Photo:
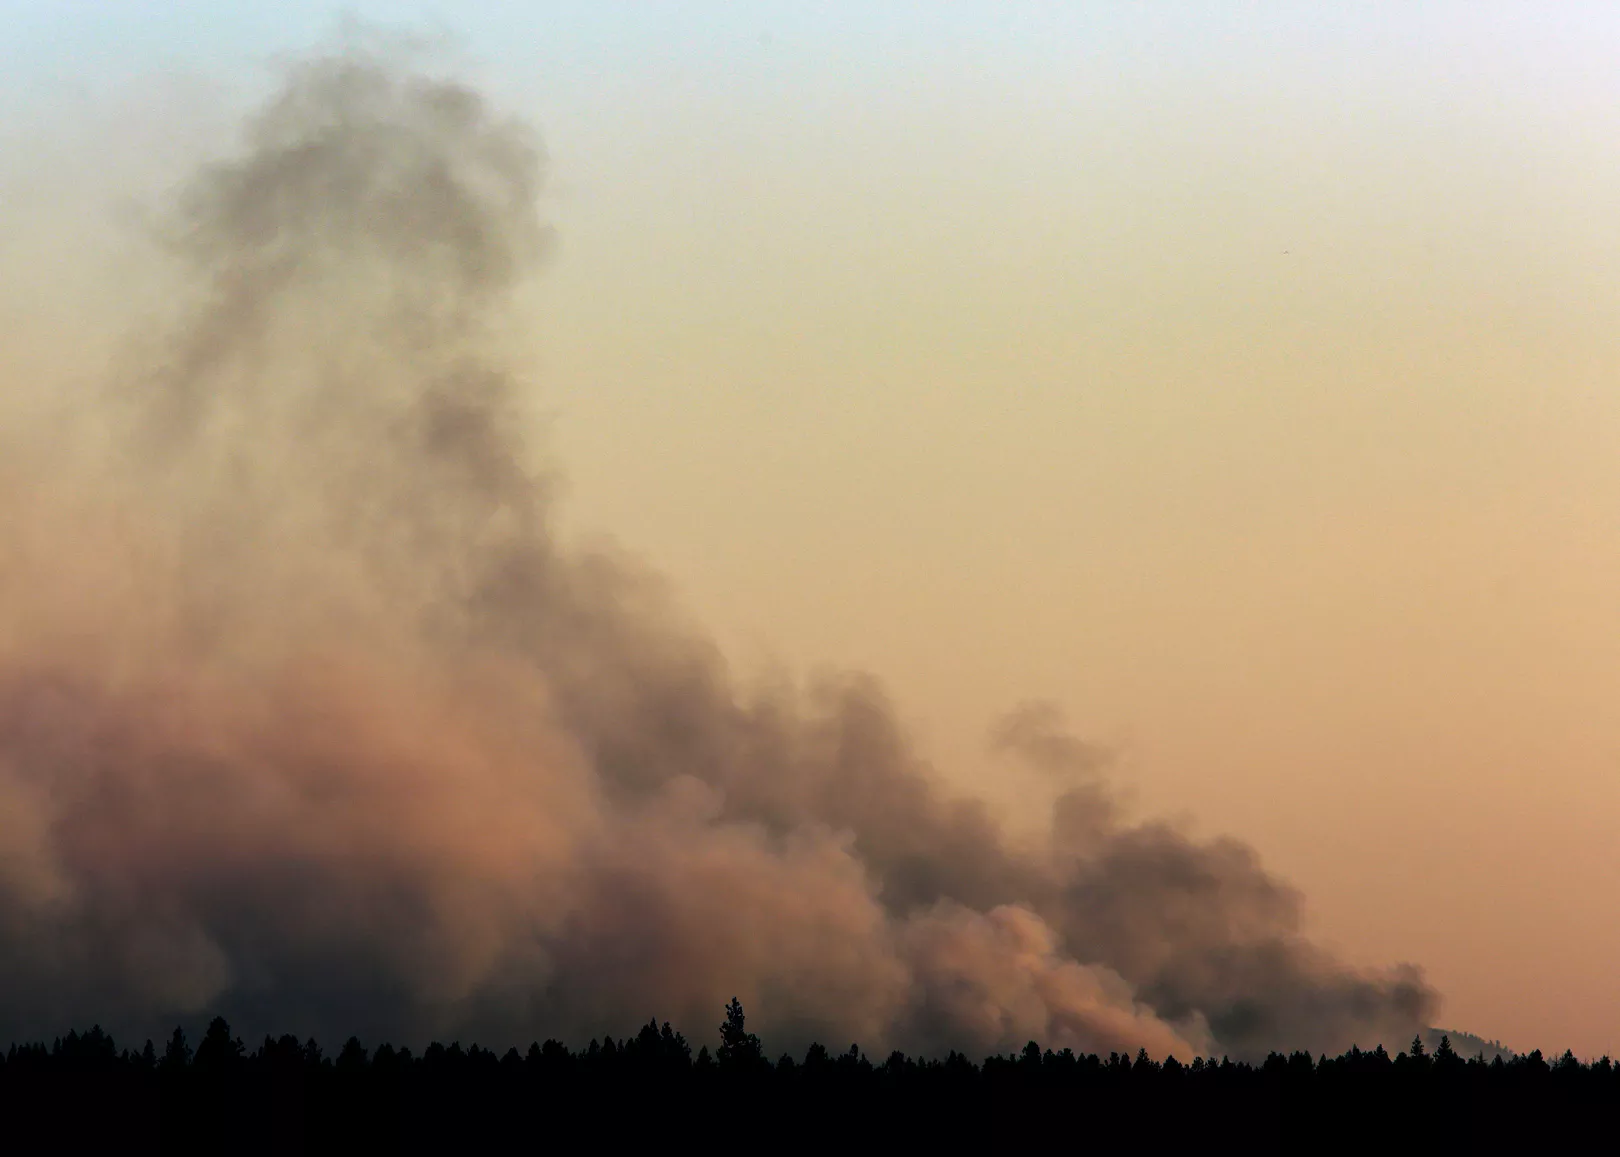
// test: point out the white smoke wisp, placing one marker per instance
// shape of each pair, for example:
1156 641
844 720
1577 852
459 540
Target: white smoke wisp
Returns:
307 716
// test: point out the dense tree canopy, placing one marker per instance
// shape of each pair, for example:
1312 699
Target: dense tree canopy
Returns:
287 1095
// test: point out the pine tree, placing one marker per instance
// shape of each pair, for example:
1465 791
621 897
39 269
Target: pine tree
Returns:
1445 1057
218 1050
739 1048
177 1054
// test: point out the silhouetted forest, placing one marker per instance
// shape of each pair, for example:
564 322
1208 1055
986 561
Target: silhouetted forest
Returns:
287 1095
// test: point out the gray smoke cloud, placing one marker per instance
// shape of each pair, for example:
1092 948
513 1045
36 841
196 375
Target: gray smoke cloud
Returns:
307 716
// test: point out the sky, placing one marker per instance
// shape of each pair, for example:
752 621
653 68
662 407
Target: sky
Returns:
1241 380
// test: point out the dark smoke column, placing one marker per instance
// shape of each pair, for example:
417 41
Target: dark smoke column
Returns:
340 738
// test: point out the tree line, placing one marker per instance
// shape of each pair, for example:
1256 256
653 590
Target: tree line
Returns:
288 1095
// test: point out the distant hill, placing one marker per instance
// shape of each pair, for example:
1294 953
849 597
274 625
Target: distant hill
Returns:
1466 1044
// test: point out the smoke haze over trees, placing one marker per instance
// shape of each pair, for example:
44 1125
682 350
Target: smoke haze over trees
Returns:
308 715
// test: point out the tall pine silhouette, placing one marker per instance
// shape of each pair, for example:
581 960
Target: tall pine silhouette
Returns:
740 1049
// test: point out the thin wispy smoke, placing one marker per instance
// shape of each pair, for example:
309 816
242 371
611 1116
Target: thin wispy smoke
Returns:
307 716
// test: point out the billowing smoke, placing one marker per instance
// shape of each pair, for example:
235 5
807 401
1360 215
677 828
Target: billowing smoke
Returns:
307 715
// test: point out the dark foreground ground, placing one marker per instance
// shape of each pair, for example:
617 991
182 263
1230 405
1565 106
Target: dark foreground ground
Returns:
83 1094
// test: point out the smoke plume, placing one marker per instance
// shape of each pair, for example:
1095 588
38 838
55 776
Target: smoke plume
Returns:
307 715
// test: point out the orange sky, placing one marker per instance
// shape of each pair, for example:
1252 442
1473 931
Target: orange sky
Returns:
1248 389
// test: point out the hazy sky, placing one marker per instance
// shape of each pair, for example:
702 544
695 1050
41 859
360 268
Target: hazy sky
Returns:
1244 383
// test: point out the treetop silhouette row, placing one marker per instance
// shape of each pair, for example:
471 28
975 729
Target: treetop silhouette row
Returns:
297 1090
